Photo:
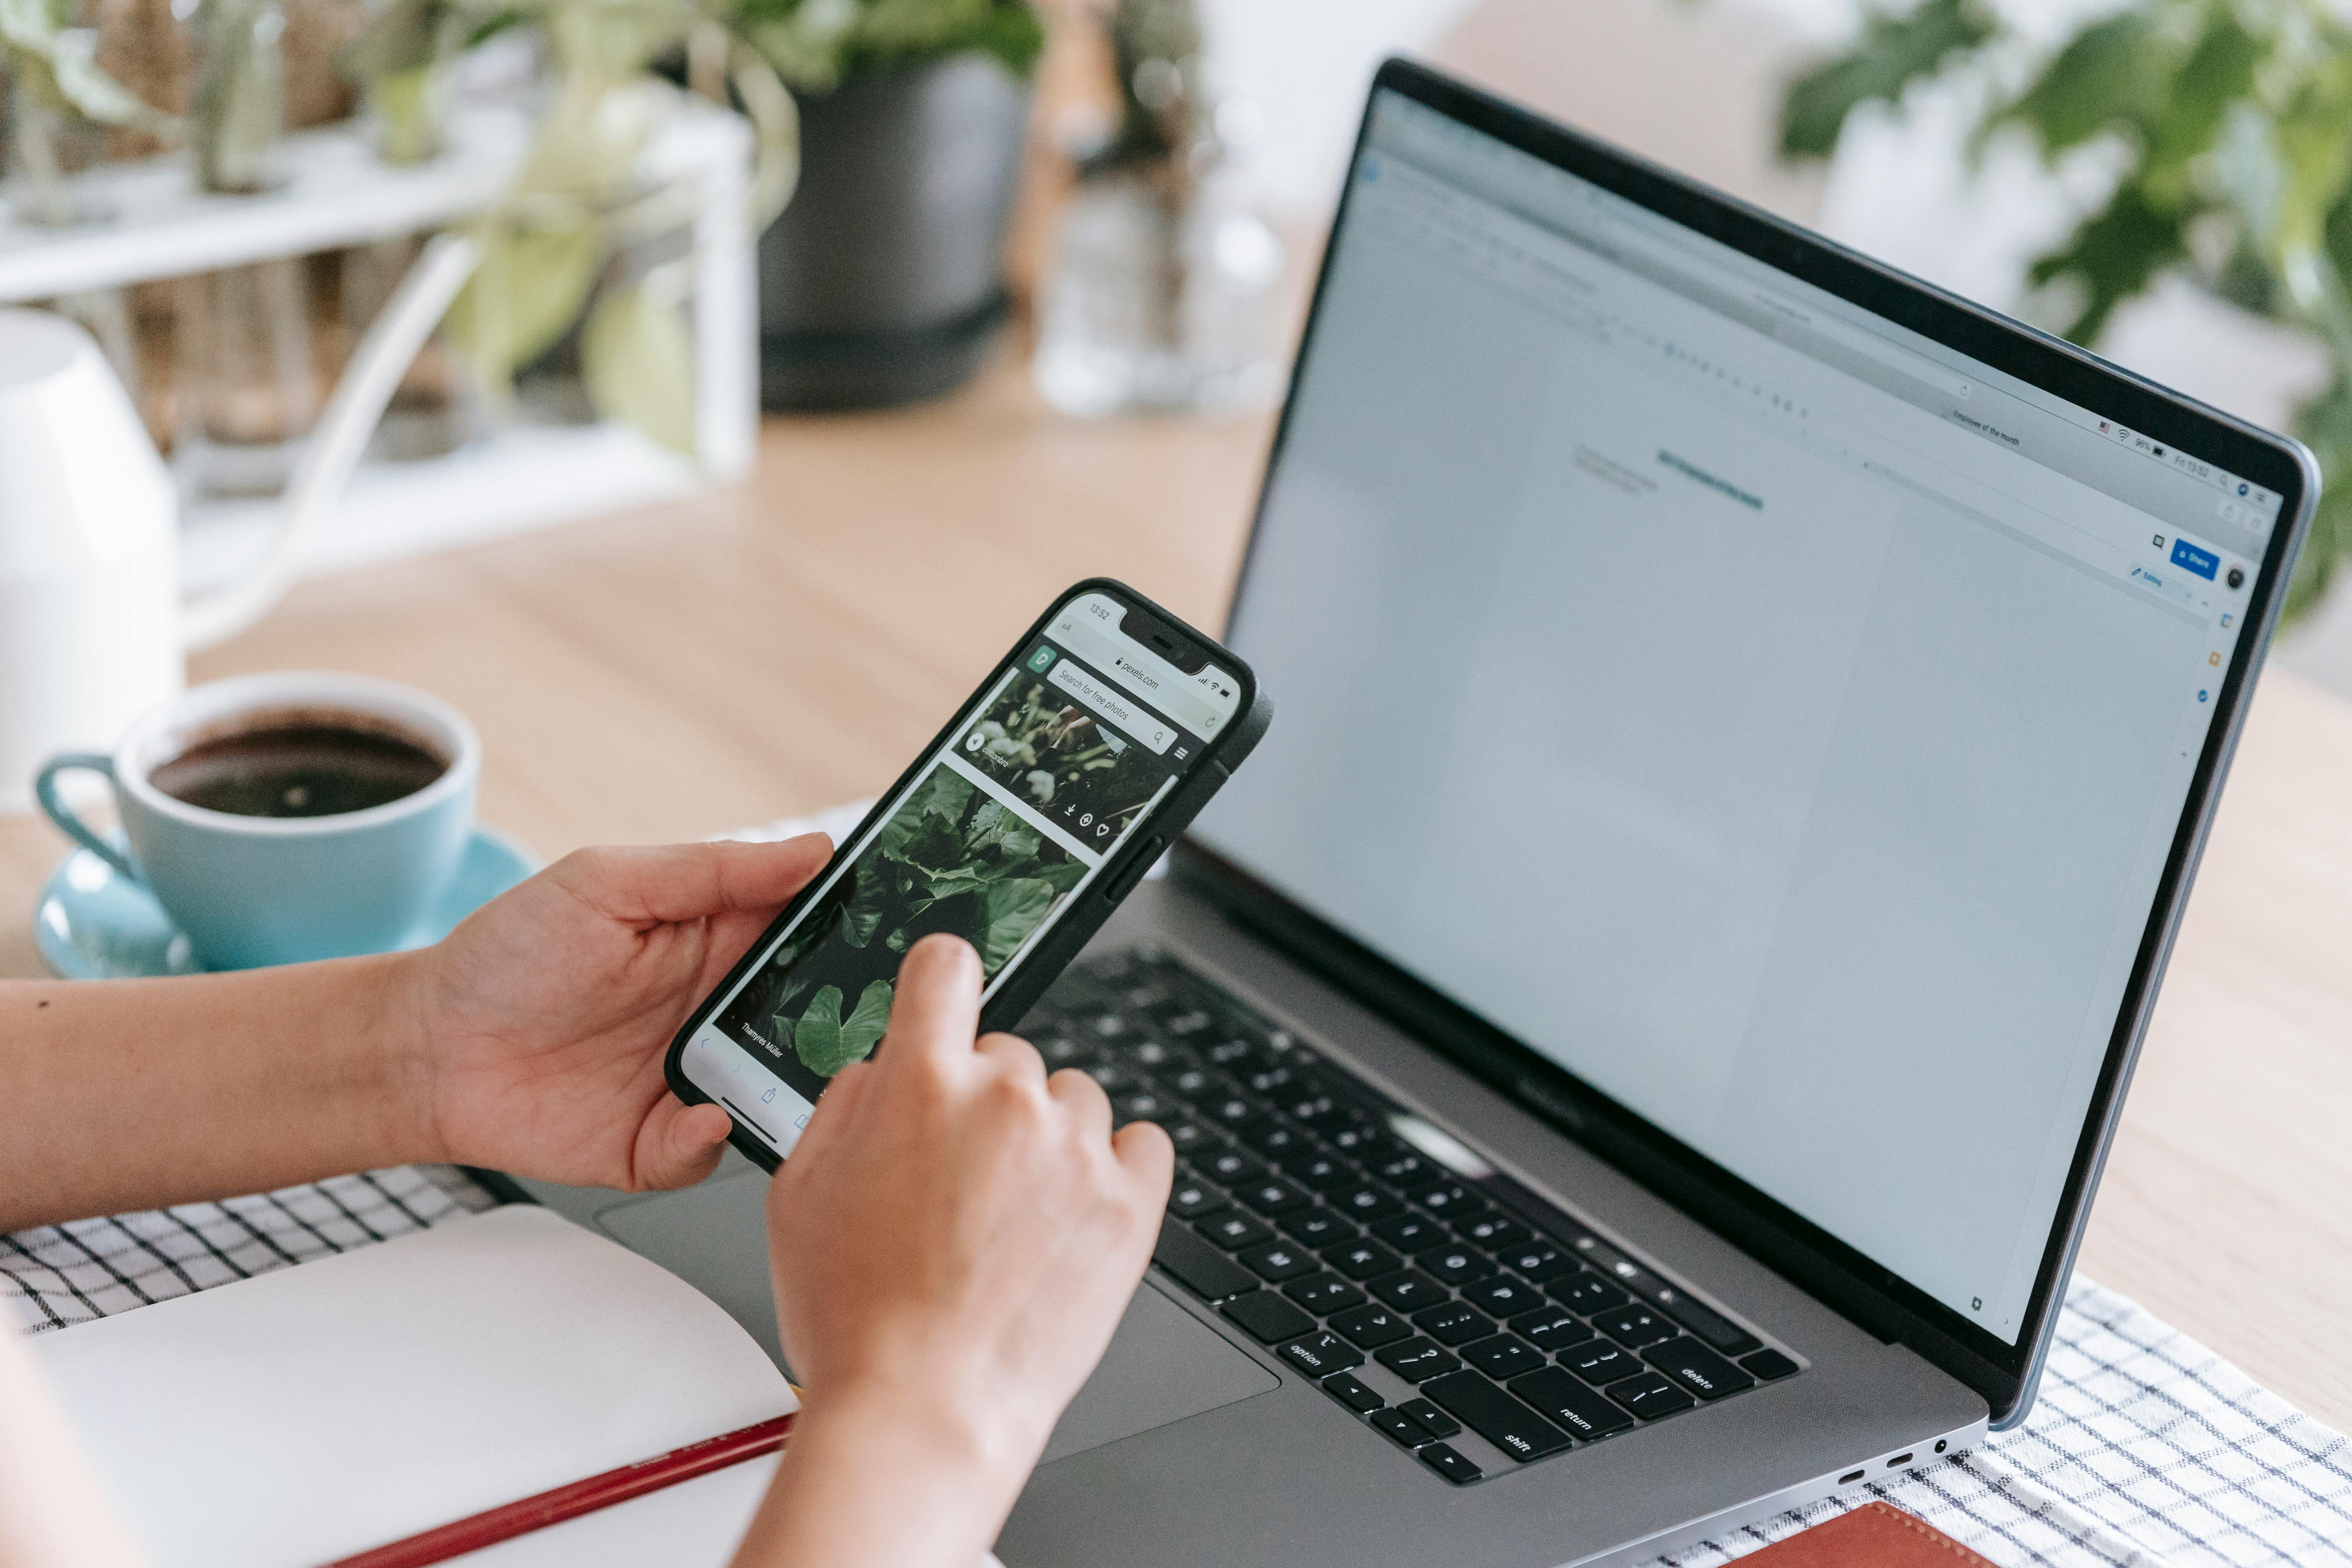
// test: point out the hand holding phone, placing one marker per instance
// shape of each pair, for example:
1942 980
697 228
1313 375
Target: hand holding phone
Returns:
1061 778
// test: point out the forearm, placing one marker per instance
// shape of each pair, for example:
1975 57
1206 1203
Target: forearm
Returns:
134 1094
862 1482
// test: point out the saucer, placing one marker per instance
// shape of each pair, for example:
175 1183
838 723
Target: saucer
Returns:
92 923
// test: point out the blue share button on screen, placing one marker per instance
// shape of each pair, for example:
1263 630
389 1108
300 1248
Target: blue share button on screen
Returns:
2187 556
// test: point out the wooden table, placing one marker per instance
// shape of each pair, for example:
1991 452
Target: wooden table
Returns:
790 643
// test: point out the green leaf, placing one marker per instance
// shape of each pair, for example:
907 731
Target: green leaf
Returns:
863 1030
2113 254
637 357
1894 52
531 285
2112 73
817 1038
2217 74
1011 910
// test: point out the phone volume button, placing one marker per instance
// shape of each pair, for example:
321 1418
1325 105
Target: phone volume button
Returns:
1146 855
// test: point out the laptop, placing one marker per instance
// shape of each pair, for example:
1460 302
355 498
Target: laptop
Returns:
1642 1032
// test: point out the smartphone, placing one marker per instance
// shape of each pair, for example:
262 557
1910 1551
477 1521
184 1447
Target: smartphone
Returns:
1021 826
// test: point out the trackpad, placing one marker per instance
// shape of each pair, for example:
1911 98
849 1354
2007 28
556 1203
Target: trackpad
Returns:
1163 1364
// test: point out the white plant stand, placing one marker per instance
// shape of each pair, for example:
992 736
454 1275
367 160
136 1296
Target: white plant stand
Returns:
337 193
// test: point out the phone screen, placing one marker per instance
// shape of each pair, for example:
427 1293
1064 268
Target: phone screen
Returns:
1063 754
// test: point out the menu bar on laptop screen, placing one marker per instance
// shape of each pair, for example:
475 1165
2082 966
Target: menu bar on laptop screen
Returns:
1783 720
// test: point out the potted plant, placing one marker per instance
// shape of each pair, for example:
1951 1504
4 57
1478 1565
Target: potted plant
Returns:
2228 129
883 282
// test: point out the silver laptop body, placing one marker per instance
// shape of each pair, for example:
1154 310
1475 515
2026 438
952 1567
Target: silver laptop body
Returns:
1749 721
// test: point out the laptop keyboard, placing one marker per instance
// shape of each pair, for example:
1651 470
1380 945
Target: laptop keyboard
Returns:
1424 1301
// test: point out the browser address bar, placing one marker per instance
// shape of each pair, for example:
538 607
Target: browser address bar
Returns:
1179 703
1113 705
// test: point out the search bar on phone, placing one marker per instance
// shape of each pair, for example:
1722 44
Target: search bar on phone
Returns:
1114 705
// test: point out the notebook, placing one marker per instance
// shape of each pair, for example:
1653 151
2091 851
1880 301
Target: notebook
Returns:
305 1414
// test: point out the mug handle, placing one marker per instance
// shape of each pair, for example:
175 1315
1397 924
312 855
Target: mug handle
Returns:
52 806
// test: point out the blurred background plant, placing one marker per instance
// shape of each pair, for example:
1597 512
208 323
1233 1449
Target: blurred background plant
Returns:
2225 129
579 240
885 283
816 45
56 89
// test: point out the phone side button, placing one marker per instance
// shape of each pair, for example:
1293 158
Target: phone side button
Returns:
1145 858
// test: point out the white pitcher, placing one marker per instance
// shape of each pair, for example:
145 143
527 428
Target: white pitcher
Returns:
93 626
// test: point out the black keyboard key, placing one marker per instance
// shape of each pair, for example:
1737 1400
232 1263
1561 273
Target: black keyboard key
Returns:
1272 1195
1453 1466
1317 1227
1114 1078
1770 1366
1363 1142
1587 1292
1502 1357
1366 1201
1495 1415
1696 1368
1650 1396
1061 1051
1139 1105
1371 1326
1279 1260
1455 1265
1634 1326
1451 1201
1408 1290
1198 1084
1199 1266
1318 1355
1720 1332
1191 1200
1537 1260
1192 1140
1503 1295
1233 1111
1410 1232
1396 1425
1494 1230
1323 1171
1276 1140
1454 1323
1550 1329
1361 1260
1236 1231
1323 1294
1569 1404
1313 1109
1275 1081
1230 1166
1417 1359
1404 1168
1267 1316
1430 1418
1599 1363
1351 1390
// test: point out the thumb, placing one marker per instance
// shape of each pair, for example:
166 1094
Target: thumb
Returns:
658 884
680 1144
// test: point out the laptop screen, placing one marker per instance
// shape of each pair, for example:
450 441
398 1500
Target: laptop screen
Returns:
1774 718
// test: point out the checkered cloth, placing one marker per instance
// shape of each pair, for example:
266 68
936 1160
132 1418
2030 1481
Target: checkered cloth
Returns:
59 1275
2145 1449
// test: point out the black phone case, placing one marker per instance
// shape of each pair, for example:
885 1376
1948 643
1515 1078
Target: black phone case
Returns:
1033 972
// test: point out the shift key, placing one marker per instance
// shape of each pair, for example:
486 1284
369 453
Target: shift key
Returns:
1200 1265
1495 1415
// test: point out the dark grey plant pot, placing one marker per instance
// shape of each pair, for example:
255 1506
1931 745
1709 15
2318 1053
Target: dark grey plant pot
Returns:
883 282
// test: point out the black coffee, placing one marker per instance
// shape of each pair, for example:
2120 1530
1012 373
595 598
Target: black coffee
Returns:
310 766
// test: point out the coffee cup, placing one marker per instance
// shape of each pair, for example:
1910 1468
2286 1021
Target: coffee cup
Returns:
283 817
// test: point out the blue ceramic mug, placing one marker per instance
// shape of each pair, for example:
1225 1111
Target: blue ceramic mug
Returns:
253 890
